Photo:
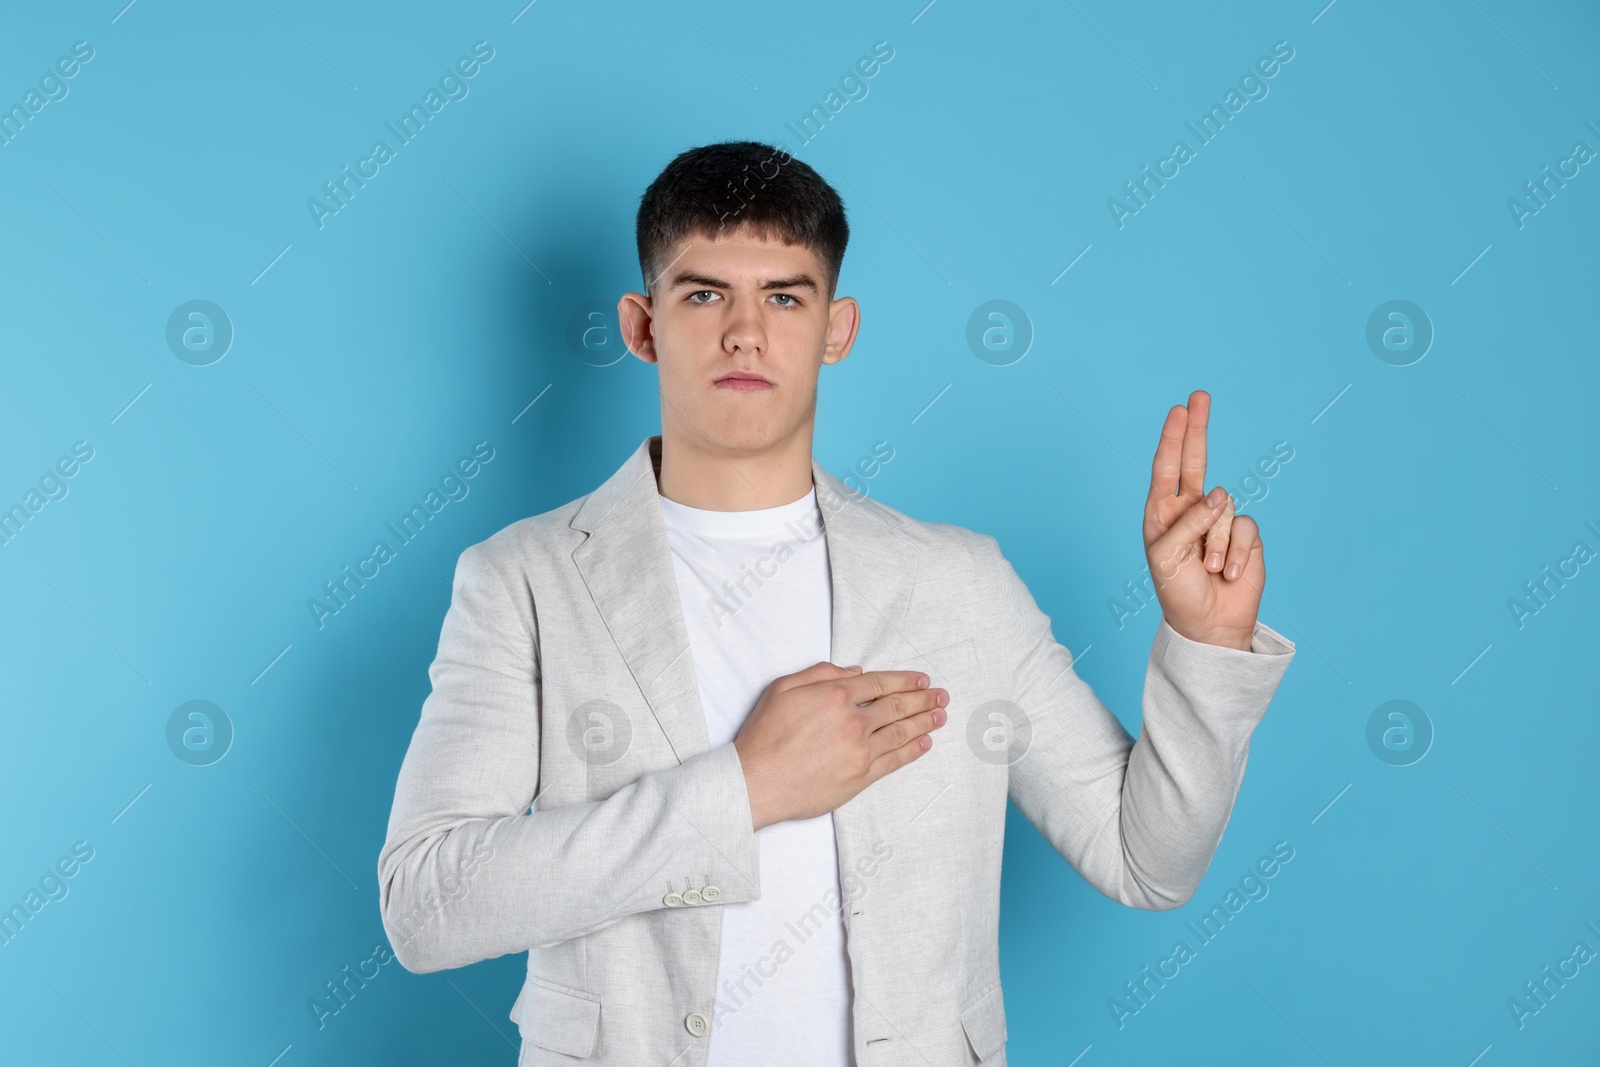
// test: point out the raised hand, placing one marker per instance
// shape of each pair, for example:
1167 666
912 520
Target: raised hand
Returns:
1206 562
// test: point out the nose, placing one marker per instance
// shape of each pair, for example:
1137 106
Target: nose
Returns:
744 332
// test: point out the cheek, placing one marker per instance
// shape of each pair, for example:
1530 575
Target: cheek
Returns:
685 381
678 345
801 342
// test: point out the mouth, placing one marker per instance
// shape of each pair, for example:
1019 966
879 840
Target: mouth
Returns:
743 382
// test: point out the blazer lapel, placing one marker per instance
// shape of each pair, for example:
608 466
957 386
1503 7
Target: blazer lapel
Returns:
874 566
626 563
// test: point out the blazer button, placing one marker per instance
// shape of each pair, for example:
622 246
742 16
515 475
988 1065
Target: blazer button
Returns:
672 900
710 894
698 1024
691 896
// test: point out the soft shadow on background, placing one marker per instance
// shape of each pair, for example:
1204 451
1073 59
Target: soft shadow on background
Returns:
1379 259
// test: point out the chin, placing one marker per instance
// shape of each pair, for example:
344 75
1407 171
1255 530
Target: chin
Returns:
746 434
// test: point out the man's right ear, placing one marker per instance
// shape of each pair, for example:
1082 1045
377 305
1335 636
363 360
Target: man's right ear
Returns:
634 311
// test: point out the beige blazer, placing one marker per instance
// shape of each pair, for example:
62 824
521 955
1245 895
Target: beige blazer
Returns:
564 675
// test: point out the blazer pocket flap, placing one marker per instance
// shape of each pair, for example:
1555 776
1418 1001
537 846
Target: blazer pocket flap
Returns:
559 1019
984 1020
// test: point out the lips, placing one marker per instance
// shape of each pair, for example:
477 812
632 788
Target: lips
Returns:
743 382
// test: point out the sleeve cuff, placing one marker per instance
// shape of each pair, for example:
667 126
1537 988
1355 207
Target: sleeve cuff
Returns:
1217 674
717 804
1266 641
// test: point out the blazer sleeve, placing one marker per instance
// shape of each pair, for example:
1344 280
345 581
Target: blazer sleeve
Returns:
467 873
1141 820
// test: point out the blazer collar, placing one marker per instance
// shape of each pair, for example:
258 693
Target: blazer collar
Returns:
626 563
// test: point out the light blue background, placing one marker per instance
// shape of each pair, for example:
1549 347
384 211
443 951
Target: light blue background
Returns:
426 316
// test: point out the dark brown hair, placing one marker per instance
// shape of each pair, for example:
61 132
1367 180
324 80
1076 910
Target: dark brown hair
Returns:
719 188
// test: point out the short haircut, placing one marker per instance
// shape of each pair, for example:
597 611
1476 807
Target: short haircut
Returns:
717 189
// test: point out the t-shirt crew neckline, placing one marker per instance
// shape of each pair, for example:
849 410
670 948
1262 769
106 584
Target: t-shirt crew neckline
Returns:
706 523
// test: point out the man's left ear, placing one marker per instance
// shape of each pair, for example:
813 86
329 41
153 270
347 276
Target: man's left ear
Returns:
844 320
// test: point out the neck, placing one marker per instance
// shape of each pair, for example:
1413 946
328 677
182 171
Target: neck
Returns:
698 475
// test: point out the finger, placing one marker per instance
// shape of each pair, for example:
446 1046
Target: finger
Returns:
1218 537
1169 452
886 711
822 671
1246 538
871 685
1179 543
1192 480
894 759
896 734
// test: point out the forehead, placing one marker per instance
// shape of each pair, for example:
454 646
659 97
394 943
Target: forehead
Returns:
741 256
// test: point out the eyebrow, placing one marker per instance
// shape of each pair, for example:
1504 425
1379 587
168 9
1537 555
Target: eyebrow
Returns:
797 281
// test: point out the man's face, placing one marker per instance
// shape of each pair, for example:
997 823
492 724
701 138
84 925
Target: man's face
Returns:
734 306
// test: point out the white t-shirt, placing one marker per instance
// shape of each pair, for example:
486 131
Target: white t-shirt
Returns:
758 603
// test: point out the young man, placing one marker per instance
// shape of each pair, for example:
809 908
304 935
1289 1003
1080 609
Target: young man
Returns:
771 725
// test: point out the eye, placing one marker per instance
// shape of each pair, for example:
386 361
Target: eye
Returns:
699 292
786 296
